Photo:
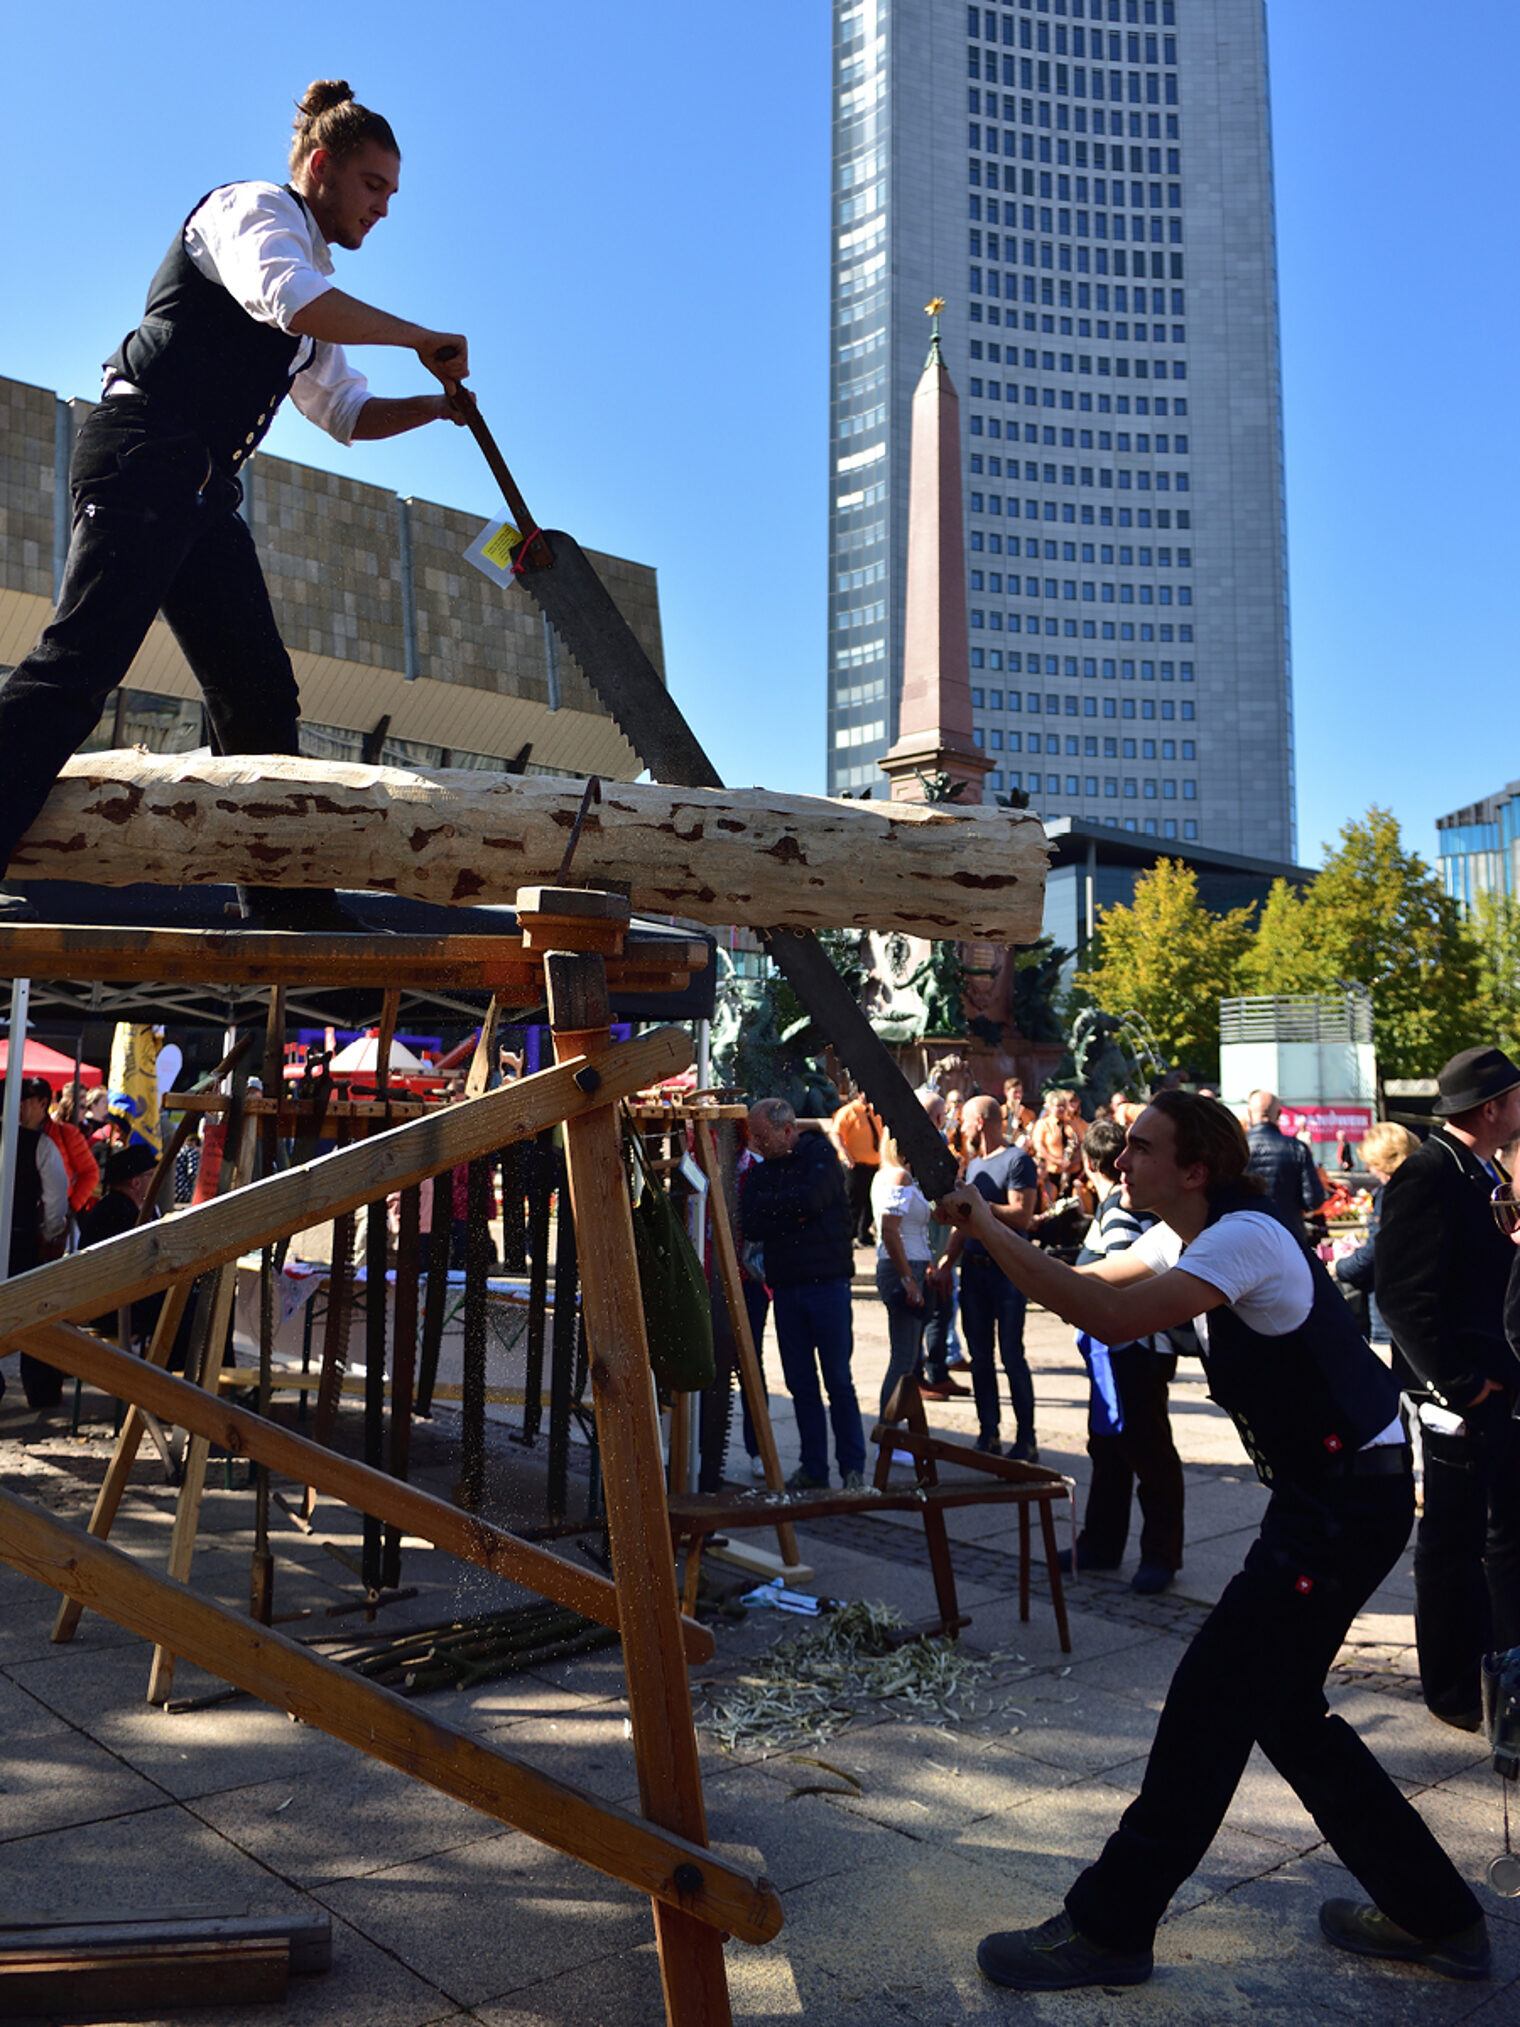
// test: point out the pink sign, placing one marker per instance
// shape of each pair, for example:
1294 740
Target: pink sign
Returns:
1327 1122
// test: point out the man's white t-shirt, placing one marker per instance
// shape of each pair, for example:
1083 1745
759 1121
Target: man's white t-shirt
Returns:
1258 1267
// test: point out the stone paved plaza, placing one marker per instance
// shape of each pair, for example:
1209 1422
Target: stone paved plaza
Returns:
441 1915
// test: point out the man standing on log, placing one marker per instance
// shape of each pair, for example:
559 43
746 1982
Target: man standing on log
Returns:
241 313
1318 1413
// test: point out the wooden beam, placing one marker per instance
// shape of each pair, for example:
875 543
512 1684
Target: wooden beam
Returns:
749 856
242 1434
751 1378
498 964
121 1270
674 1871
659 1700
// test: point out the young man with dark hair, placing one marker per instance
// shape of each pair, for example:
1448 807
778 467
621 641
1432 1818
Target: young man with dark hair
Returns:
1318 1413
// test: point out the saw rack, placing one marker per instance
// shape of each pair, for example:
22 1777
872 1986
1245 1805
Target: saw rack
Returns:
570 941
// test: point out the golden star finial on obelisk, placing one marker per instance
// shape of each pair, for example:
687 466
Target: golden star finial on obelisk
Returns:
932 309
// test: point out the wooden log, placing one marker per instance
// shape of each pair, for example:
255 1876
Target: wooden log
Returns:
659 1699
407 1507
458 836
706 1889
119 1270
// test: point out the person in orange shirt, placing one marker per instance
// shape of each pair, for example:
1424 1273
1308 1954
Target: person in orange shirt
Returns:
84 1170
856 1133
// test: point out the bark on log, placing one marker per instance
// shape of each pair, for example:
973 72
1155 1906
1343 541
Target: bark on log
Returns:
461 837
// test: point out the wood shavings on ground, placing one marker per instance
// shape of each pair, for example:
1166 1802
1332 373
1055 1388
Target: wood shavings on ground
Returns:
808 1687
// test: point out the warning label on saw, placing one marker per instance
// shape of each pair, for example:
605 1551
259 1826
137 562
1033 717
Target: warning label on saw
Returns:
491 551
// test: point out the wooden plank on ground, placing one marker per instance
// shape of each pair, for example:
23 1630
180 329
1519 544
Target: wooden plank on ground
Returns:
121 1980
676 1872
83 1284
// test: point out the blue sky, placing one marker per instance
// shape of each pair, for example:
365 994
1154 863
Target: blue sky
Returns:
627 211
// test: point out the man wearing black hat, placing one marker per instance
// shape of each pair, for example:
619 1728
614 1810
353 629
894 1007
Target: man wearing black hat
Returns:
1442 1268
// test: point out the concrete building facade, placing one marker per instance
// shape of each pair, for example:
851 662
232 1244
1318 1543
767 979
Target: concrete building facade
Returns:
1088 183
405 654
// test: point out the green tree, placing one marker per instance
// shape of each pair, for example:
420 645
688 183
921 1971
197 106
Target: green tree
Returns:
1495 927
1376 916
1167 958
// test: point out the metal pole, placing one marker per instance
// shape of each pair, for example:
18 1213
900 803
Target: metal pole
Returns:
704 1048
1091 894
10 1121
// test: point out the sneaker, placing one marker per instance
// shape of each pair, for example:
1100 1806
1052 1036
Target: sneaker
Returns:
1367 1932
1025 1451
14 907
854 1481
1055 1957
989 1446
1151 1578
757 1468
801 1481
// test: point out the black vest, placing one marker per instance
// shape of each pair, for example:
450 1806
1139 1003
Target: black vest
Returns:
213 368
1303 1402
26 1208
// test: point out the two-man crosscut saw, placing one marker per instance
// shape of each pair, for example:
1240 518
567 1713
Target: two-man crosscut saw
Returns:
552 567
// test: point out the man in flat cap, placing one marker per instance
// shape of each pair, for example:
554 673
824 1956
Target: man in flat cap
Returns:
1442 1269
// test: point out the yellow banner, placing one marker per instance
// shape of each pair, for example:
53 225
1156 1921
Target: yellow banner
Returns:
133 1083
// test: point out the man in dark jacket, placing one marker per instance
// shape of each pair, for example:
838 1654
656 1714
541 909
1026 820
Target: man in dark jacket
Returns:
1285 1167
795 1204
1442 1268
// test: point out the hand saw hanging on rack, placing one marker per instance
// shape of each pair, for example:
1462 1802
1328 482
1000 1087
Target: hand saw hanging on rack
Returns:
553 569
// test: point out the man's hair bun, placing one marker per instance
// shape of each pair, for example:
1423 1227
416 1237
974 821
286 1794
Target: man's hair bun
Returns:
329 116
322 94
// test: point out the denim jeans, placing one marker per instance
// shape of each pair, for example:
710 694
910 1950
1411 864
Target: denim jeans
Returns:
757 1303
905 1324
813 1331
991 1307
155 529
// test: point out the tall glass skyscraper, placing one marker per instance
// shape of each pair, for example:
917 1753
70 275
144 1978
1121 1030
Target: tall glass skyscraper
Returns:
1088 183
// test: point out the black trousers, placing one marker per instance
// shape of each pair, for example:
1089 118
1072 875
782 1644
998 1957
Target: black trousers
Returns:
1255 1674
1142 1453
861 1177
1467 1555
156 529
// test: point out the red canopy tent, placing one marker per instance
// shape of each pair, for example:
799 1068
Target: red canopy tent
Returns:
38 1060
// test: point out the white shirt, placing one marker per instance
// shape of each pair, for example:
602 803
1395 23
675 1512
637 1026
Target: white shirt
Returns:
907 1202
263 247
53 1175
1258 1267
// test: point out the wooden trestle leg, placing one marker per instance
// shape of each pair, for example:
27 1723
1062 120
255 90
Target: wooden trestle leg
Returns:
659 1700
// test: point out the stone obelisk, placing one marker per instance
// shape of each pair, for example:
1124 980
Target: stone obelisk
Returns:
934 736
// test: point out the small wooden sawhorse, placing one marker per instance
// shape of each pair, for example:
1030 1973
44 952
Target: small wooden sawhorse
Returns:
904 1428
